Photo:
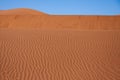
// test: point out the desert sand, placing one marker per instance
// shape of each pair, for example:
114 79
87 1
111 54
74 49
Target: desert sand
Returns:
27 18
49 47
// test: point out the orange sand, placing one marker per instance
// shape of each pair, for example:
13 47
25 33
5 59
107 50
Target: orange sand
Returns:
38 46
59 55
27 18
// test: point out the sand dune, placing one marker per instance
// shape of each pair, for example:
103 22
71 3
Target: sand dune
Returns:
59 55
21 11
38 46
34 19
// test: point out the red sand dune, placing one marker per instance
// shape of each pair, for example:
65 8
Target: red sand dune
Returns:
34 19
37 46
21 11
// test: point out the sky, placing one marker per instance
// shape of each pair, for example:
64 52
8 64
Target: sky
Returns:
66 7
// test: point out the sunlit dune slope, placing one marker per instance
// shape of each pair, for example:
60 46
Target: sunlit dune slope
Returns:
16 19
21 11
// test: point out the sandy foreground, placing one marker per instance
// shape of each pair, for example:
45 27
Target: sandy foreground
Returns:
59 55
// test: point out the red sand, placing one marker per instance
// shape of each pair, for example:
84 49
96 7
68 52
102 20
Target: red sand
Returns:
59 55
21 11
47 47
26 18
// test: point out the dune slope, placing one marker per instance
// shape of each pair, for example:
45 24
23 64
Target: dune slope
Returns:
59 55
16 19
21 11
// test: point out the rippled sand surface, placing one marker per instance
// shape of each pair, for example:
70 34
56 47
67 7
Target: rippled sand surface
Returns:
59 55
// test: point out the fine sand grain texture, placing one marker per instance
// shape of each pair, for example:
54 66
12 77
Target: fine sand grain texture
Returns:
27 18
59 55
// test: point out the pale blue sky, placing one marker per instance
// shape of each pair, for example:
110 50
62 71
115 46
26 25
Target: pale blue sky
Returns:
63 7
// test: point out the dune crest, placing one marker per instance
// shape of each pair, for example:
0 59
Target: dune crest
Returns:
21 11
